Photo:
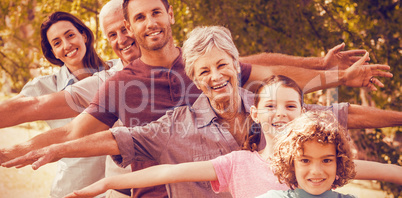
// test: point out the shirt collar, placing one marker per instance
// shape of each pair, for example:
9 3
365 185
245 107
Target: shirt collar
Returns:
65 78
204 113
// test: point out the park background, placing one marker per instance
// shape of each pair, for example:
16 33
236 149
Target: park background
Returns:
295 27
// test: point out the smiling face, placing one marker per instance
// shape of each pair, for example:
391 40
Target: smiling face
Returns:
315 168
68 44
122 44
216 76
150 23
277 106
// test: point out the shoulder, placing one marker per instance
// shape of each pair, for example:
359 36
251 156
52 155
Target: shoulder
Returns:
334 194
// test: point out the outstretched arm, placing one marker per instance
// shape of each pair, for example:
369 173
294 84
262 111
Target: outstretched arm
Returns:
152 176
358 75
360 117
63 104
334 57
84 124
102 143
369 170
22 109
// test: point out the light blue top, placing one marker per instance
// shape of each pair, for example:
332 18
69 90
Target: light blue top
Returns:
302 194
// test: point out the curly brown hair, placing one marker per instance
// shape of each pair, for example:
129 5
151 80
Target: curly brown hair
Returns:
320 126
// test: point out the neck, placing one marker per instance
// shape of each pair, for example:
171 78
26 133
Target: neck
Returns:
233 118
163 57
79 71
227 110
268 151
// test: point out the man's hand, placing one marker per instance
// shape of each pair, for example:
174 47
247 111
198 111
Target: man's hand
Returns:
360 75
342 59
37 158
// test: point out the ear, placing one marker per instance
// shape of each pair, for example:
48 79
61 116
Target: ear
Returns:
254 113
196 84
128 26
171 15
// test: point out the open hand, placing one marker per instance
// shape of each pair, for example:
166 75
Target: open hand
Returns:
361 75
37 158
342 59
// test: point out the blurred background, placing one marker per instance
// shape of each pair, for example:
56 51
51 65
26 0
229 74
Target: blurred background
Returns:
297 27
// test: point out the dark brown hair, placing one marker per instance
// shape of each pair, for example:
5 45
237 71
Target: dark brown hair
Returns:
125 10
254 136
91 59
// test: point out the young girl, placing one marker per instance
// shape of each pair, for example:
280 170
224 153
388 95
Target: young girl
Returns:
242 173
313 157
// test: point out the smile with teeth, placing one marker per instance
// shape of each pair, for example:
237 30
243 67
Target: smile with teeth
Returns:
154 33
220 86
278 124
316 180
71 53
127 47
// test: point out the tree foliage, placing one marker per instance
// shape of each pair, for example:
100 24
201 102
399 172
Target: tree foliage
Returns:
298 27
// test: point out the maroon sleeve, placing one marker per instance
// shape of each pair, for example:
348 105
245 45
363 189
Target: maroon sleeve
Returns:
245 71
103 106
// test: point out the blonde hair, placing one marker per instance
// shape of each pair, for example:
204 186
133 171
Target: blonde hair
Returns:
320 126
201 40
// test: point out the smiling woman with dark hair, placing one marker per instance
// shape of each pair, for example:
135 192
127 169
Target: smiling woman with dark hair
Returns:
67 42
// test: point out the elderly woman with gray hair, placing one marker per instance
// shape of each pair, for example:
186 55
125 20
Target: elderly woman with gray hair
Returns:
216 124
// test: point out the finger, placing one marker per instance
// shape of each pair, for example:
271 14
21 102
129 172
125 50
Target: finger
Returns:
382 73
14 162
355 58
362 59
357 52
377 82
71 195
372 87
22 160
82 193
40 162
337 48
379 67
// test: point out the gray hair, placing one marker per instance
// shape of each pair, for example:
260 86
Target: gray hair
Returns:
111 7
201 40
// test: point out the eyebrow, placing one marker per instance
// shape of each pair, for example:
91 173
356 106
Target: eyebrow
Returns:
220 60
217 62
141 13
324 156
66 32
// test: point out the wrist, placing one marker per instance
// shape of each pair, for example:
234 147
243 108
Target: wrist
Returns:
342 77
321 63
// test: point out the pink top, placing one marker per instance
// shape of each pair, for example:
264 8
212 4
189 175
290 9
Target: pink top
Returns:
244 174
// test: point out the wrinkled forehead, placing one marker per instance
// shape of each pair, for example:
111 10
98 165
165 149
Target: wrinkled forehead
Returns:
113 22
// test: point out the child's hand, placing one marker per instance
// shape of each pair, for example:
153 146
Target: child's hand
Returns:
92 190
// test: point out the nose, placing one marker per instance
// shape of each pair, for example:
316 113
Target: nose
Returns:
67 45
151 22
215 75
316 169
121 38
280 111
